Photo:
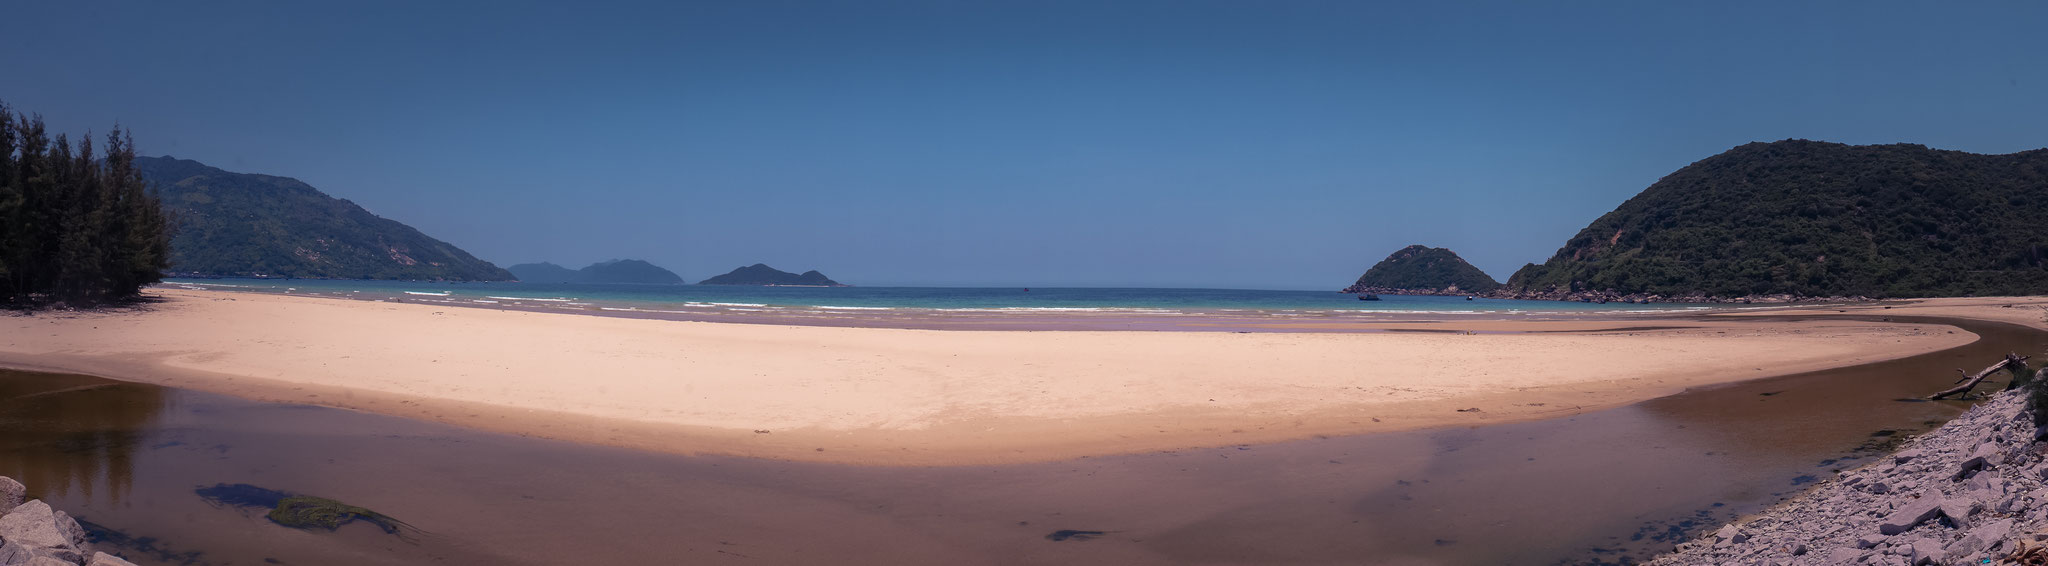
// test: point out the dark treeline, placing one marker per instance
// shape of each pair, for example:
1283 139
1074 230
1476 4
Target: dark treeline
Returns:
76 228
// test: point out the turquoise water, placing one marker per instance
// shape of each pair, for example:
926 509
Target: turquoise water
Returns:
936 301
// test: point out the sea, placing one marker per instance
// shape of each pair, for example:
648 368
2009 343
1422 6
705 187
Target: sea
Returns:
921 302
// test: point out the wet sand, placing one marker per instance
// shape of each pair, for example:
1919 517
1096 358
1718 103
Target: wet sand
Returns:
1595 487
892 396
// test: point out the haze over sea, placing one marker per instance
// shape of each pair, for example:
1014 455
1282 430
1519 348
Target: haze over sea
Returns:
859 302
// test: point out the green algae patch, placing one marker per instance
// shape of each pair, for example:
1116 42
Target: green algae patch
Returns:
300 511
308 512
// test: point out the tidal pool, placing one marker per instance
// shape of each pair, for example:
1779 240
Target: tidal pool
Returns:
135 462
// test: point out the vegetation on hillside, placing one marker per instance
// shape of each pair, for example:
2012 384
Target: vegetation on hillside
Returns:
248 225
1423 269
75 227
1819 219
614 271
761 274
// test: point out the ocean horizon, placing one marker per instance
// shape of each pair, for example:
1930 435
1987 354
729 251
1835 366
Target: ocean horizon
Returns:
852 302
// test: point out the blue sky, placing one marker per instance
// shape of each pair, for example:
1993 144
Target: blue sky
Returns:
1185 143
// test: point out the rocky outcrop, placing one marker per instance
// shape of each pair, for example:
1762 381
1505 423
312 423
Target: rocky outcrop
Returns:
33 534
1974 491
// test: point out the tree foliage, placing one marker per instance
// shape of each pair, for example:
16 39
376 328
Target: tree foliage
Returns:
242 224
76 227
1423 268
1820 219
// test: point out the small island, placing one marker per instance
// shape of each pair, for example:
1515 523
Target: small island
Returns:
1423 270
761 274
618 271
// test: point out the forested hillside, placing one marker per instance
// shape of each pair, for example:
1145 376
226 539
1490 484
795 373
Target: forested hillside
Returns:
1819 219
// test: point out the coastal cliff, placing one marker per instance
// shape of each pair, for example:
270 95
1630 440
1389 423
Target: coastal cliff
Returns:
1971 492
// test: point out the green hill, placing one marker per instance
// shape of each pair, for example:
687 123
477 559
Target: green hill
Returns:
544 272
1423 270
1818 219
242 224
761 274
614 271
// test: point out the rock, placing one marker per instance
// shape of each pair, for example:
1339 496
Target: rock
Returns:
1958 512
1843 556
1981 538
34 527
1911 513
1978 460
1879 488
71 529
12 494
1906 456
1731 534
48 561
104 559
13 554
1926 551
1867 541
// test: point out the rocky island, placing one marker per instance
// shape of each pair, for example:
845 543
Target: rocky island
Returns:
761 274
1423 270
618 271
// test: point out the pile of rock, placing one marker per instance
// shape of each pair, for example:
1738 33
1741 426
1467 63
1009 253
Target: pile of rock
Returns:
33 534
1970 492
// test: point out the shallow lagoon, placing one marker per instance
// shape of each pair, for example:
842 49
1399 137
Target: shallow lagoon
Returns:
1605 486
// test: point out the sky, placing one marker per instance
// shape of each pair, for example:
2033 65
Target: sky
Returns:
1232 144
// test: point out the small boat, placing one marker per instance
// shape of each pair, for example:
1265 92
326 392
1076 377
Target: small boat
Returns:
1368 297
1468 298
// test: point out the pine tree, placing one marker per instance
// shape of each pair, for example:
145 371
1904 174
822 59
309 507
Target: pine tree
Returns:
75 227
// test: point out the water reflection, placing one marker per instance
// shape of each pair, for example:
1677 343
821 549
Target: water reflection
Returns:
69 432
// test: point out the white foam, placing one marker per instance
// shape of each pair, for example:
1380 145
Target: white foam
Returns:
440 294
555 300
829 307
732 304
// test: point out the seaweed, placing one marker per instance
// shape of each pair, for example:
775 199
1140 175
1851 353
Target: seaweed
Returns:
308 512
297 511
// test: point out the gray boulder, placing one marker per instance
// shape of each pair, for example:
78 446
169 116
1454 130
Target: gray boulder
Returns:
104 559
34 527
1911 514
1983 537
12 494
1927 551
13 554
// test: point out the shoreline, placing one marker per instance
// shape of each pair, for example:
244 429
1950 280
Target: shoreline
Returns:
894 397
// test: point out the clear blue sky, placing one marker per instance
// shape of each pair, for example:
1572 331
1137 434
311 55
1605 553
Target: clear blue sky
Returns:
1180 143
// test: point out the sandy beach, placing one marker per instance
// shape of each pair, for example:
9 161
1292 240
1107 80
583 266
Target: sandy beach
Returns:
894 396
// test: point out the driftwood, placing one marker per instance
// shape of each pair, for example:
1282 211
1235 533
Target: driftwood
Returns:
1970 381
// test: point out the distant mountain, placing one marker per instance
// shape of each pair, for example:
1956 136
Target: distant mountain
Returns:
544 272
1423 270
1816 219
244 224
760 274
614 271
